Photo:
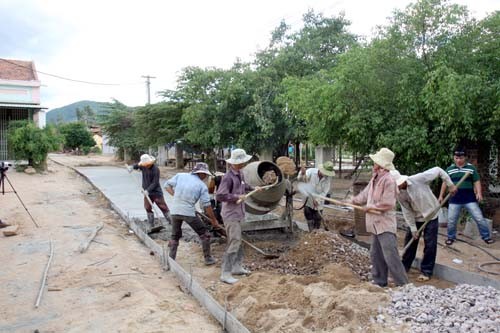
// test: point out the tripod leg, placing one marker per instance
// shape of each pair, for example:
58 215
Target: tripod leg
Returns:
22 203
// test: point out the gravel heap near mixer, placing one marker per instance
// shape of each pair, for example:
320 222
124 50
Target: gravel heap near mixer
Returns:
269 177
465 308
315 250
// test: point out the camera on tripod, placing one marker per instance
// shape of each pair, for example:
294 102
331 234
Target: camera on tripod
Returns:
4 166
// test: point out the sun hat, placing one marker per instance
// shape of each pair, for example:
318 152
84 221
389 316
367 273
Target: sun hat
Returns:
327 169
398 178
238 156
201 167
384 158
146 159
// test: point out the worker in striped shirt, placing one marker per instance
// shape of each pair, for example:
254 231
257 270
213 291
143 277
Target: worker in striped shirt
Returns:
468 196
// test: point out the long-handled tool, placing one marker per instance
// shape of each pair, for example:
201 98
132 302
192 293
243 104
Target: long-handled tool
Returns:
265 254
145 195
308 190
262 188
434 212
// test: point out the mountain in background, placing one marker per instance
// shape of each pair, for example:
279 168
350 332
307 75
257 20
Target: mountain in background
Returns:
67 114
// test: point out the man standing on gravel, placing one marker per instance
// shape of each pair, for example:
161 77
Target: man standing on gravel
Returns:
320 181
232 195
187 189
419 204
152 189
380 195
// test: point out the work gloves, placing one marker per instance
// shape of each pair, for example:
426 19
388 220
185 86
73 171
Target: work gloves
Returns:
130 168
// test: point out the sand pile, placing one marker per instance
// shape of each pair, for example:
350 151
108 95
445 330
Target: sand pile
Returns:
332 301
315 250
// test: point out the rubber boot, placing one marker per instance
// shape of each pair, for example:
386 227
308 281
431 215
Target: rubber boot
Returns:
173 245
205 245
310 225
227 265
153 227
238 268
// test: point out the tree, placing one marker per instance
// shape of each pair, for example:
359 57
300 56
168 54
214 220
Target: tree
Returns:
86 116
76 136
28 142
118 123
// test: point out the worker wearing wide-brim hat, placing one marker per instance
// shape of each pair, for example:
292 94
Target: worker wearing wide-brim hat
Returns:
187 189
152 189
380 195
320 179
233 188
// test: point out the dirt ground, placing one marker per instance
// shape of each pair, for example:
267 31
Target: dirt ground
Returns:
115 286
318 283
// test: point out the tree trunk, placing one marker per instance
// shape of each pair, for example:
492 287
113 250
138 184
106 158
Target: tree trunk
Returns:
179 157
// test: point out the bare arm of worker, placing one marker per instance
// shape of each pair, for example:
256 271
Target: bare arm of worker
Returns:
302 174
478 190
170 190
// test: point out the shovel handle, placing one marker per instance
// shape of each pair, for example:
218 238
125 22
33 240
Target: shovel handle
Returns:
263 188
341 203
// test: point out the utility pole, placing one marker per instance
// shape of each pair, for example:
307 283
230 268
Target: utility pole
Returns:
148 84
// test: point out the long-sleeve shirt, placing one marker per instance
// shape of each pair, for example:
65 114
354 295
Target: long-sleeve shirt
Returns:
417 200
150 179
380 192
188 189
321 186
231 188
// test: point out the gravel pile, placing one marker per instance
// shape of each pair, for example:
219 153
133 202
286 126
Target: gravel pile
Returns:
465 308
312 252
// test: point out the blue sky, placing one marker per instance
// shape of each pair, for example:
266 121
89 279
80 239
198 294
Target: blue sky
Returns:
119 41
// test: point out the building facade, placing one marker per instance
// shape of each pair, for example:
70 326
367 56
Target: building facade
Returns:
19 98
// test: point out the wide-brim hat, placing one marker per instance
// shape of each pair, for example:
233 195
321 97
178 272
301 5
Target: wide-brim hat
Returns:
327 169
398 178
238 156
146 159
384 158
201 167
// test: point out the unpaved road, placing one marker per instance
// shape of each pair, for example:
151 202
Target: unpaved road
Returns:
115 286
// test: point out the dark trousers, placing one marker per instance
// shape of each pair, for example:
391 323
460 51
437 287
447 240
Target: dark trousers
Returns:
194 222
159 201
313 215
430 247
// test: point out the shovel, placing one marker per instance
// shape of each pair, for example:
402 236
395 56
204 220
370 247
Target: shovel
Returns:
308 190
265 254
262 188
155 229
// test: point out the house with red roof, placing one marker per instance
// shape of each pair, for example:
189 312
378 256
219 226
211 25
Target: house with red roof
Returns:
19 98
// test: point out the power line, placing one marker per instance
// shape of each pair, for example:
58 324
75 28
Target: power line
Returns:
65 78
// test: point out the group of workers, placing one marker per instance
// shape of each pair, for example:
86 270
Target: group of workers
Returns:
386 187
189 188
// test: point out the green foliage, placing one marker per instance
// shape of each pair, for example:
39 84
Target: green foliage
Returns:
158 124
77 135
28 142
118 123
86 115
